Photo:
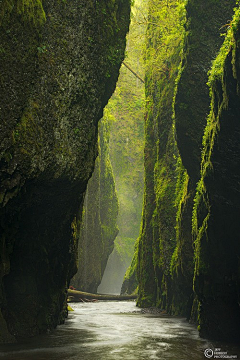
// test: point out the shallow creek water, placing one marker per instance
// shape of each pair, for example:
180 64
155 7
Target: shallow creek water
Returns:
114 331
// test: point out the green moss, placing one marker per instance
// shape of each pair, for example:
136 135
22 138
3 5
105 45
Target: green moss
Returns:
50 106
31 11
174 104
214 231
28 132
217 71
202 208
130 282
202 41
146 301
158 236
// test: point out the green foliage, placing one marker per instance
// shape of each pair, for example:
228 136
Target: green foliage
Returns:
124 247
125 112
165 31
42 49
216 72
181 197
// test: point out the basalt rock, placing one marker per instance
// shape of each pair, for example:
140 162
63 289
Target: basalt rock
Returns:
59 63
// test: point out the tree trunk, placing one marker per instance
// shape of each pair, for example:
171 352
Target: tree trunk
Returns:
78 296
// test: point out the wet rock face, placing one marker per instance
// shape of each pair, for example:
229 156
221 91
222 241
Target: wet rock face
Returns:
59 65
201 243
217 281
204 24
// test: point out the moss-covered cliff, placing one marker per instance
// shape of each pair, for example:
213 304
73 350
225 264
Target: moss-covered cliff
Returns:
216 226
189 244
99 226
205 23
59 63
157 237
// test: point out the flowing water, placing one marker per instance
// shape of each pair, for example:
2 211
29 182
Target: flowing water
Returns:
116 331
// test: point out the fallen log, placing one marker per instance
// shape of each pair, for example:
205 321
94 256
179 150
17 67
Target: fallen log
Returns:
79 296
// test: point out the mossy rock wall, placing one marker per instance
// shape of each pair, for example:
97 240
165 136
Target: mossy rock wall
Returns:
157 237
59 62
130 281
204 23
216 226
99 226
204 26
189 244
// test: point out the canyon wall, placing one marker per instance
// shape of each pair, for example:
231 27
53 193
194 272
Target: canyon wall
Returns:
188 248
59 64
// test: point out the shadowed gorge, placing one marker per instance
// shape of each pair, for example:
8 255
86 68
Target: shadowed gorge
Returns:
71 186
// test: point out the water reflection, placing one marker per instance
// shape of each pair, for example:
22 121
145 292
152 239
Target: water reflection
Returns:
114 331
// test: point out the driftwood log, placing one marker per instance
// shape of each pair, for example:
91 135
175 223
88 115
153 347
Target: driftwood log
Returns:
80 296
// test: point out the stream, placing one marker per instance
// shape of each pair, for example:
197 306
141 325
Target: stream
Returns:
107 330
